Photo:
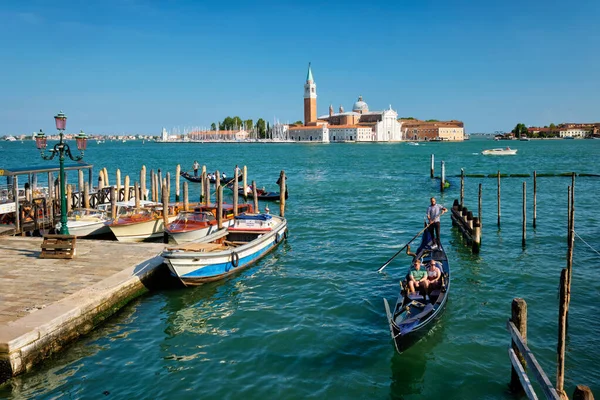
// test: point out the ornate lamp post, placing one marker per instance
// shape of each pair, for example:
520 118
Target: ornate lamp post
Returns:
62 149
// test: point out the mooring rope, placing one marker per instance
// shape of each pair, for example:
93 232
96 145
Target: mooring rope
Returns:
588 245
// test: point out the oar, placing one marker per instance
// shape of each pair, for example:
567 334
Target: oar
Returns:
403 247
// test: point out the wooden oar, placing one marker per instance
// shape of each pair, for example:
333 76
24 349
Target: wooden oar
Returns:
403 247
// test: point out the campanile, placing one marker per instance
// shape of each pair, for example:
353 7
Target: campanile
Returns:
310 98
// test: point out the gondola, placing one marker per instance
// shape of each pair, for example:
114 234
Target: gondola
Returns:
261 194
414 315
198 178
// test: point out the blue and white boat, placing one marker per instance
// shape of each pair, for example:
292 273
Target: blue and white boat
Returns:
226 251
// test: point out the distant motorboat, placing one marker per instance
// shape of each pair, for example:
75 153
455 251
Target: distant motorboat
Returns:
569 137
524 139
500 152
413 143
11 139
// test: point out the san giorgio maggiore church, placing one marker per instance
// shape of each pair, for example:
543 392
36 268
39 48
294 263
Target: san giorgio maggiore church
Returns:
358 125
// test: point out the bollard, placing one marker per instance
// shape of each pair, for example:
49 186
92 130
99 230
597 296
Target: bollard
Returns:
245 175
582 392
81 185
69 198
165 211
470 221
443 176
113 203
86 195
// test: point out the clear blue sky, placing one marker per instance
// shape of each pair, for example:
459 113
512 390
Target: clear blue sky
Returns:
136 66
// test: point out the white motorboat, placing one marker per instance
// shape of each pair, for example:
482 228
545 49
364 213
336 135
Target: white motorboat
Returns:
500 152
137 225
83 222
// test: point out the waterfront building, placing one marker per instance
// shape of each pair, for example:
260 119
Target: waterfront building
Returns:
418 130
358 125
237 135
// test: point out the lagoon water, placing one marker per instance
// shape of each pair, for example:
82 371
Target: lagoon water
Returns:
308 320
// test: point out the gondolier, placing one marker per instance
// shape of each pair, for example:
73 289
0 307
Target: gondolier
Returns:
196 166
434 212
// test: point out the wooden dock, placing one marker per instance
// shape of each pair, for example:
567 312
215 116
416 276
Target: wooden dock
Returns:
46 303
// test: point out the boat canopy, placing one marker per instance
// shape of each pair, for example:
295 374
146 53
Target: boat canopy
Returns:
257 217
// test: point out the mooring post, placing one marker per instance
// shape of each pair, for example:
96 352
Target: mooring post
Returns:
219 196
86 195
479 203
519 318
203 185
217 180
118 178
80 202
126 189
15 193
136 189
282 189
476 245
207 190
236 191
100 181
570 246
255 196
534 199
69 198
498 198
169 184
462 186
443 176
106 182
186 199
582 392
562 334
470 222
152 186
165 211
432 169
568 215
113 203
245 175
159 186
177 177
524 213
143 182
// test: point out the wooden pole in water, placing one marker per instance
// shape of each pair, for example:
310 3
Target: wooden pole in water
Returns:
220 207
562 333
498 198
462 187
15 193
570 246
443 176
479 203
432 169
106 181
476 235
169 185
152 189
113 203
203 178
126 194
86 195
80 202
69 198
519 318
524 214
582 392
186 199
255 196
118 173
217 180
137 195
534 199
207 191
245 176
165 211
282 190
100 181
143 182
177 177
235 190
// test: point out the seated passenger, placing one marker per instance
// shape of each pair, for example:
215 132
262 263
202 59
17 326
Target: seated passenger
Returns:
417 279
434 276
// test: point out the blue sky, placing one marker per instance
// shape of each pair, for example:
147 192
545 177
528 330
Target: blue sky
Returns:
136 66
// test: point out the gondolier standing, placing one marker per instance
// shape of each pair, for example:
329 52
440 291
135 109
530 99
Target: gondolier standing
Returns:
434 212
196 166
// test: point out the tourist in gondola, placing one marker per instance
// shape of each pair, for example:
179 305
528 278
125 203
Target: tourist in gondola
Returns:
434 212
417 279
434 276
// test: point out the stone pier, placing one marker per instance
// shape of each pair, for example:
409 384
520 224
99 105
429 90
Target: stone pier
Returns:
46 303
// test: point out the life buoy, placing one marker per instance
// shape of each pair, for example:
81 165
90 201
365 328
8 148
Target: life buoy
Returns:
235 259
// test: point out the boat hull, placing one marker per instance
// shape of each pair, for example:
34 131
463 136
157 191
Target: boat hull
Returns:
197 268
139 231
85 229
196 234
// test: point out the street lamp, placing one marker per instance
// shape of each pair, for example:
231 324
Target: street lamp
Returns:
62 149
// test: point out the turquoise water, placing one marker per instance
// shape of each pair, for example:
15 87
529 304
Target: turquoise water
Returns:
308 321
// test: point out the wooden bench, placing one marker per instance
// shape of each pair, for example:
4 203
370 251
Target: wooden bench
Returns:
58 246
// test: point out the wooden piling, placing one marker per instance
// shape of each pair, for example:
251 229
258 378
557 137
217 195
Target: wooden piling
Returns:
562 333
570 246
255 196
126 187
137 195
476 244
207 190
69 198
462 186
186 199
113 203
235 191
86 195
106 180
81 185
519 318
443 176
534 199
582 392
479 204
524 214
177 177
143 182
217 180
498 198
165 211
100 181
118 174
15 193
282 190
219 195
245 176
432 169
203 179
160 183
568 215
152 188
168 178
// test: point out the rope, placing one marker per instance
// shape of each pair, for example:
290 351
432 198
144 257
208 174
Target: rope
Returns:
588 245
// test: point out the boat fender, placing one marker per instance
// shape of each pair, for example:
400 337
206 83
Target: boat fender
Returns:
278 238
285 234
235 259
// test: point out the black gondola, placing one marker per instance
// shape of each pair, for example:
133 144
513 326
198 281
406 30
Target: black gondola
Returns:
414 315
198 179
261 194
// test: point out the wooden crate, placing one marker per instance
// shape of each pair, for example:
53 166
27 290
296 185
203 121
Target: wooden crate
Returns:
58 246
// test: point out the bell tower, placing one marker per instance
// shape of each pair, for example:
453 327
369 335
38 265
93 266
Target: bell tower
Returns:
310 98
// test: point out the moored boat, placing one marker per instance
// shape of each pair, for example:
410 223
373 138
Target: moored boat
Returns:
145 223
248 240
414 314
198 179
85 222
500 152
261 194
193 225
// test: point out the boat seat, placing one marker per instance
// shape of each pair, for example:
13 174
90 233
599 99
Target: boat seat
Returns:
427 310
415 296
201 247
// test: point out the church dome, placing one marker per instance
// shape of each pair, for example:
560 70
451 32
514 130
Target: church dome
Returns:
360 106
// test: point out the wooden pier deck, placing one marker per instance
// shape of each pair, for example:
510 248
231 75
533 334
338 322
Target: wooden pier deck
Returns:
46 303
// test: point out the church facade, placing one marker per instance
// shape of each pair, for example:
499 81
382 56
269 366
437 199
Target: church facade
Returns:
358 125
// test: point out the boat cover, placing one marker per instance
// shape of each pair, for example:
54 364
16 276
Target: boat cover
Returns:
256 217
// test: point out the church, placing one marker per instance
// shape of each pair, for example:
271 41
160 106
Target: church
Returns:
358 125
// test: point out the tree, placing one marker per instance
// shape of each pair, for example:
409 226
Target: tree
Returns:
213 127
432 120
298 123
519 130
260 127
248 124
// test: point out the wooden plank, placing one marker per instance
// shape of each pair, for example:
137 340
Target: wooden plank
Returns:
525 383
57 246
532 363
